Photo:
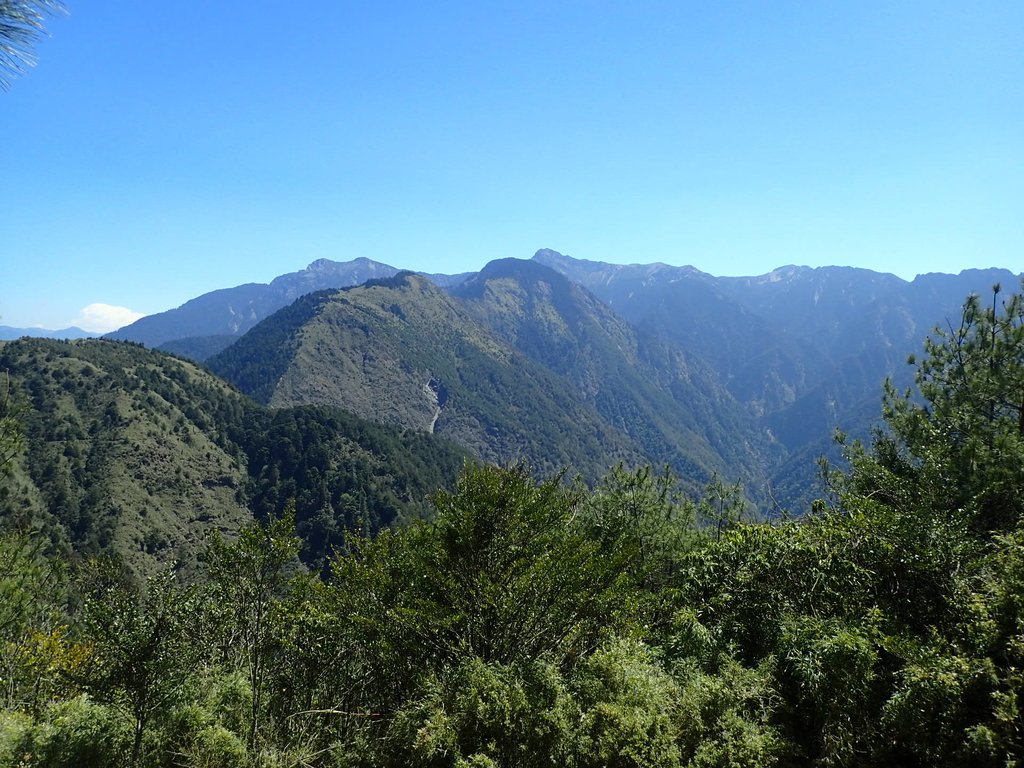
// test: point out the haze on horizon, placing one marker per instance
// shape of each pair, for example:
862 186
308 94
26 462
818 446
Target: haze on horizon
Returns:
157 153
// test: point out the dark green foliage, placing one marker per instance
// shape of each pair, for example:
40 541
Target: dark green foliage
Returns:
10 430
963 446
141 454
143 647
249 577
31 593
342 473
628 704
504 573
78 733
513 576
479 713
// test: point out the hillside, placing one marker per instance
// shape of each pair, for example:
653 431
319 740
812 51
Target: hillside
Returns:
669 403
143 455
761 366
806 349
777 336
404 352
207 324
742 377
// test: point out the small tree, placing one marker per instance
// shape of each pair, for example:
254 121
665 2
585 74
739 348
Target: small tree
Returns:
643 520
249 579
510 570
31 591
143 653
958 449
506 573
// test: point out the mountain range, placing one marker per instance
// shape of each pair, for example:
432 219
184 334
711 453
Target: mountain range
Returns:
9 333
563 362
208 323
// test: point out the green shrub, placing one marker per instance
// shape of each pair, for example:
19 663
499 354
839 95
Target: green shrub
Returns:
79 734
725 716
216 747
481 714
629 709
15 729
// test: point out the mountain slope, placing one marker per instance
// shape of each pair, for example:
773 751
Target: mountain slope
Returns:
232 311
761 366
143 455
807 349
671 405
402 351
207 324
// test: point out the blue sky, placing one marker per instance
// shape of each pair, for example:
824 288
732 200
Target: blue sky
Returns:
161 150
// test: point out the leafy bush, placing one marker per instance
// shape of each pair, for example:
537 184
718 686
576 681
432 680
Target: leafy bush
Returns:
482 714
78 733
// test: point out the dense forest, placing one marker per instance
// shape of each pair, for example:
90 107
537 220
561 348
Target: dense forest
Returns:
530 622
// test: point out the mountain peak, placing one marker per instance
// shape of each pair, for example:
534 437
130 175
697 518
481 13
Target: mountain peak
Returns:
320 265
549 254
557 260
527 272
329 265
519 268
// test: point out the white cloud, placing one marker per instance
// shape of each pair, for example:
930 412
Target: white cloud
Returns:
103 318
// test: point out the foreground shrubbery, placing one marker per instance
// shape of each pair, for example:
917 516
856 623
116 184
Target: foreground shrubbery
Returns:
542 624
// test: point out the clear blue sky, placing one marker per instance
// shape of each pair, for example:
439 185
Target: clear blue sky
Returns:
160 150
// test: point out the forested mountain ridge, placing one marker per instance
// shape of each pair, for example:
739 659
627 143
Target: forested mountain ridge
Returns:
667 401
775 336
761 369
141 455
806 349
206 324
402 351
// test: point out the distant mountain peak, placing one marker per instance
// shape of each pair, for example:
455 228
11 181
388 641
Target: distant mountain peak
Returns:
785 272
329 265
527 272
8 333
527 268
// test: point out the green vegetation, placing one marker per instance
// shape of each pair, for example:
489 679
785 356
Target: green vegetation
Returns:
144 456
531 623
400 351
517 364
666 402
